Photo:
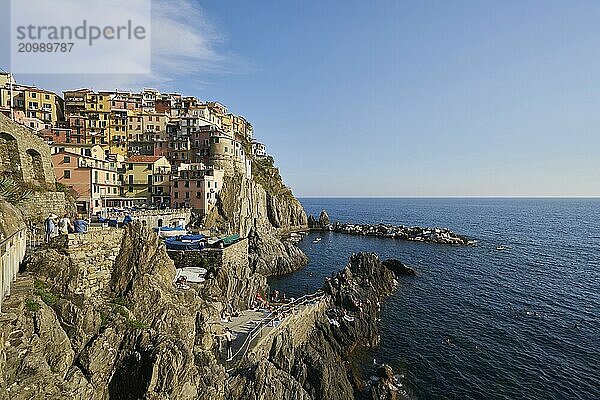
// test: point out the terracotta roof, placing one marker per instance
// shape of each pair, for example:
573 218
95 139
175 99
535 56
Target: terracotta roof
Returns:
144 159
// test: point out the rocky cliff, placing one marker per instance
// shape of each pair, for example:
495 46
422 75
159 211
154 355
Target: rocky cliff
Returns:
136 336
263 209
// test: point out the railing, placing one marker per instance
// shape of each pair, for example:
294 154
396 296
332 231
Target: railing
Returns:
35 236
12 252
269 321
179 212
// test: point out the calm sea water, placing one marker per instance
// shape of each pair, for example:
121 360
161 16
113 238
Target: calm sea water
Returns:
477 323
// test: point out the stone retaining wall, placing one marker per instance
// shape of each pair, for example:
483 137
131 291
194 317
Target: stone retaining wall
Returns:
40 204
234 254
155 218
23 155
94 253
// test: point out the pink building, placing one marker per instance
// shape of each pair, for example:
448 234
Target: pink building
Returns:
195 186
91 177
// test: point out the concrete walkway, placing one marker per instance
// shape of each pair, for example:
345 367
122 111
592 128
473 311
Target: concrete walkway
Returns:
243 325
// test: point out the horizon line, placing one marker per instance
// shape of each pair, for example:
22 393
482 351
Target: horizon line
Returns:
455 197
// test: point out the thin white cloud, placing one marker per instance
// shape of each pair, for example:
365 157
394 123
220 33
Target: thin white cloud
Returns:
185 44
184 41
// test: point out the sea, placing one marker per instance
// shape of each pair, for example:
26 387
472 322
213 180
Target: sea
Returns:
477 322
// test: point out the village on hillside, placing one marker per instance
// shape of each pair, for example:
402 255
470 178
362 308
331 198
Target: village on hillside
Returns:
118 150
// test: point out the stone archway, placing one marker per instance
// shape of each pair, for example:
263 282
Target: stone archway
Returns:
37 166
10 163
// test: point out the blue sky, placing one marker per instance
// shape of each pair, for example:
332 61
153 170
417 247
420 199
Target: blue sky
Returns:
396 98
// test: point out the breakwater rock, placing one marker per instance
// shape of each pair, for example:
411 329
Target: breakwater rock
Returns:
415 233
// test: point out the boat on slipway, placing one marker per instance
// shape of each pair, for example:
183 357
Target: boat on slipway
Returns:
170 231
186 242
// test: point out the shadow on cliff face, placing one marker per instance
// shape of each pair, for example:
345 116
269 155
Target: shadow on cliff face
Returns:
263 209
132 377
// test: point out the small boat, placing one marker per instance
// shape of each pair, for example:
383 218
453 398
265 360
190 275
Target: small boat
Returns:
177 243
223 240
190 237
501 247
317 240
170 231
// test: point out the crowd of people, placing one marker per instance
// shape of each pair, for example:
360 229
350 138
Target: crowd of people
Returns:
54 226
275 298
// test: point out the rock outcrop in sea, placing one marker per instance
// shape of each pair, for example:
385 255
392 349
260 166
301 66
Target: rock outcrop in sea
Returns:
322 223
399 268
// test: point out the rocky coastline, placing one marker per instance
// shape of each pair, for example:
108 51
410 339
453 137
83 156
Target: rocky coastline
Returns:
98 316
138 337
312 361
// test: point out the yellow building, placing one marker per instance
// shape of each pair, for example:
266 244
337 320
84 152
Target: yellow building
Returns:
227 123
118 131
5 78
31 103
148 177
94 110
43 105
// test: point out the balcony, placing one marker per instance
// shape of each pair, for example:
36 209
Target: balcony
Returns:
162 171
82 163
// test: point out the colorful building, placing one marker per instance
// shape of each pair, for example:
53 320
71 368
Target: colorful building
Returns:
90 175
33 107
196 186
144 129
148 177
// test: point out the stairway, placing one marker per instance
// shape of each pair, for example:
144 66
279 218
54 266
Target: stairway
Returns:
13 305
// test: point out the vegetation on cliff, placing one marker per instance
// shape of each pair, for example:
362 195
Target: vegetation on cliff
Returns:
12 191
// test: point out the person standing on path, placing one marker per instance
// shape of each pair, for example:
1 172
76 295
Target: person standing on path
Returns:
229 336
64 225
49 227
